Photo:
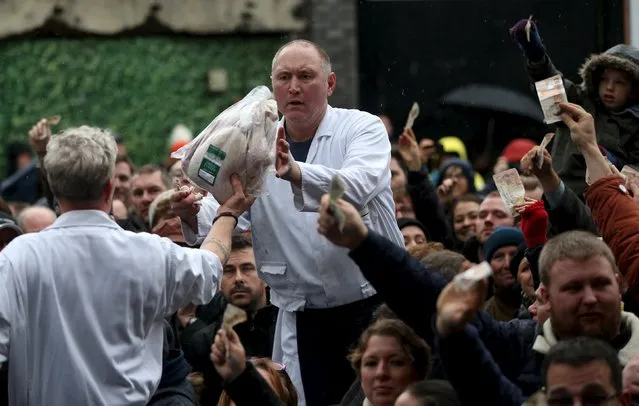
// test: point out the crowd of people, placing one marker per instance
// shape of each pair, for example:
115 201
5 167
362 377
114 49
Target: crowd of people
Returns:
114 286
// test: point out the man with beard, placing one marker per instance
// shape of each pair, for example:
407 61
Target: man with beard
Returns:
577 269
240 286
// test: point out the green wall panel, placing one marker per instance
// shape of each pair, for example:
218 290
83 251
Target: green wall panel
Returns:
140 87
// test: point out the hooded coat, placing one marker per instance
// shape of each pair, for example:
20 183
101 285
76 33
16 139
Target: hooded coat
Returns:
617 132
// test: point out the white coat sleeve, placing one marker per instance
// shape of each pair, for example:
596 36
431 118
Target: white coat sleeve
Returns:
208 209
5 308
192 276
366 163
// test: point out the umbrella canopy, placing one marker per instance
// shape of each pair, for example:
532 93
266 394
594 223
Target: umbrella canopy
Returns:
495 99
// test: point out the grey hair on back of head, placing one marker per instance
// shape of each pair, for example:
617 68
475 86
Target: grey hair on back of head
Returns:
79 162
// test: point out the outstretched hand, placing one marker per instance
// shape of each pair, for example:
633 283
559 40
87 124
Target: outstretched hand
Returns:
285 166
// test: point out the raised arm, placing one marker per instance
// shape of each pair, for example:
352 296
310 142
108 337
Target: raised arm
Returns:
192 276
538 64
565 210
617 215
422 192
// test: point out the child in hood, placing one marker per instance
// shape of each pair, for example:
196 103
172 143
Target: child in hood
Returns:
609 91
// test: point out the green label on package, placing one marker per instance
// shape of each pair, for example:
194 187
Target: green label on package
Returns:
210 166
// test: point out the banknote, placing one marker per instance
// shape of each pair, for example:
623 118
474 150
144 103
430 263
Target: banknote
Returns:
510 188
412 116
233 316
337 190
54 120
544 143
551 92
469 278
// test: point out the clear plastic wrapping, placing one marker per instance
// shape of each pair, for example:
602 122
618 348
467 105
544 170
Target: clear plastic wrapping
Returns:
240 140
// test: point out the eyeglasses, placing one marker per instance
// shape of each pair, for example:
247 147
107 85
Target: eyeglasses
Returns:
586 400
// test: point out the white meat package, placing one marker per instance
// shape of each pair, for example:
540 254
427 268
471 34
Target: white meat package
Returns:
240 140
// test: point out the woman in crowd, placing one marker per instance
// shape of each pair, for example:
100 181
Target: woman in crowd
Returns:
388 358
464 212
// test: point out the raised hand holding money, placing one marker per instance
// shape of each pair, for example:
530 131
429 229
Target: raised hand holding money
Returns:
354 232
228 354
40 133
233 316
460 300
409 150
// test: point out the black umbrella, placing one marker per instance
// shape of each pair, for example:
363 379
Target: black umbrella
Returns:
493 99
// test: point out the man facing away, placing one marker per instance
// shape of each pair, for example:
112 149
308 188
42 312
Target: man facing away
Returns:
325 302
82 303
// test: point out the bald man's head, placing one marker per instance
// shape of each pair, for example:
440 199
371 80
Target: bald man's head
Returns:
34 219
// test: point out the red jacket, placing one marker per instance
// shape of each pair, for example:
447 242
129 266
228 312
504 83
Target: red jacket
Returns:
617 215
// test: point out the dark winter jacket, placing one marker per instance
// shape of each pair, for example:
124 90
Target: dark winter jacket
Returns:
411 290
256 335
428 210
617 132
174 389
568 212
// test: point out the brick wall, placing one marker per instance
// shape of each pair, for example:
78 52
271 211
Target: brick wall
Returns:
333 25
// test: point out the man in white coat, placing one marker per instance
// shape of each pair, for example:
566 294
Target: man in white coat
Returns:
82 303
325 302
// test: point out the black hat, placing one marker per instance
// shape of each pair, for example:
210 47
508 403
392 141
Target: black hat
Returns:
406 221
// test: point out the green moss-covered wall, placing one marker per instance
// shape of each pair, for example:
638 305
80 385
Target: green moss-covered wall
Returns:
140 87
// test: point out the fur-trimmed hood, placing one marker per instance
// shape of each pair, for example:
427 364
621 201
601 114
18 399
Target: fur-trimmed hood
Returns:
622 57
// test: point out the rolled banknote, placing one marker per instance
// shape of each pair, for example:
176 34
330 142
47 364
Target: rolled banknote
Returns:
544 143
54 120
412 116
338 188
469 278
233 316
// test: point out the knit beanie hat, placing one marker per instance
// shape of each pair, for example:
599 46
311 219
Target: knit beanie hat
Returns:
406 221
502 237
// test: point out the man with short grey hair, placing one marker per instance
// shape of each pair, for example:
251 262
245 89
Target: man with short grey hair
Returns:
35 218
82 303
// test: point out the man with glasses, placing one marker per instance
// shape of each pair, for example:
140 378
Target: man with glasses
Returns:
583 371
